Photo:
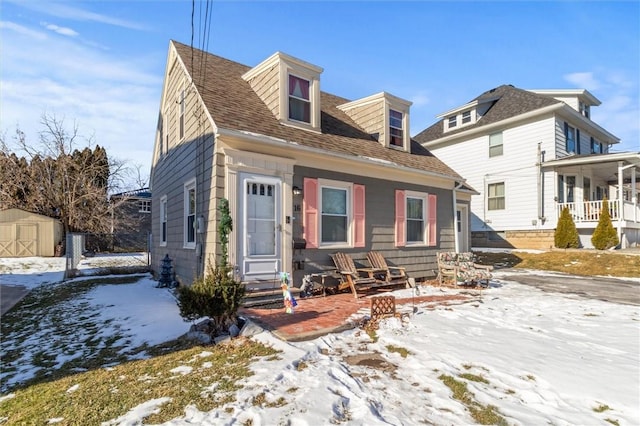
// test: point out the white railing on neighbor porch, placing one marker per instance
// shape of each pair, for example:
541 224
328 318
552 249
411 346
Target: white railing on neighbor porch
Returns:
589 211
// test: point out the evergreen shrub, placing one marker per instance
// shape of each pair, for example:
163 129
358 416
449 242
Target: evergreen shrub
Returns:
566 234
605 235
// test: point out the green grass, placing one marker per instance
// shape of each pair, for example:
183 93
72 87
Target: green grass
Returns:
107 393
601 408
55 317
482 414
577 262
474 378
400 350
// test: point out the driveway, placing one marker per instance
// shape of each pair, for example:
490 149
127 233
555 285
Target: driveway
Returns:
616 290
10 295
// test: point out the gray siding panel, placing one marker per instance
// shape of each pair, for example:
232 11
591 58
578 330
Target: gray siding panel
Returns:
380 233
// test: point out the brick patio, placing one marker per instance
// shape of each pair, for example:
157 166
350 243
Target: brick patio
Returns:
320 315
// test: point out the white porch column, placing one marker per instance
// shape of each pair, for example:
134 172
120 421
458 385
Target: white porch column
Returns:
634 194
620 198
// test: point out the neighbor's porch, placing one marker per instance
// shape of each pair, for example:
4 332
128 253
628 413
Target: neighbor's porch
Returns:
590 211
592 178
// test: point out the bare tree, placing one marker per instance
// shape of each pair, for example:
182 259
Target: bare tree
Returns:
59 180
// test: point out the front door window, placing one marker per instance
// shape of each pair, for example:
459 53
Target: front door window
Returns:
261 219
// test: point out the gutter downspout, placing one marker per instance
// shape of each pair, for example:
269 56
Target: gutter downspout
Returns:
456 243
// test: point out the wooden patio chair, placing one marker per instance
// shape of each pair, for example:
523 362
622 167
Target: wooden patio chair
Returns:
358 279
392 274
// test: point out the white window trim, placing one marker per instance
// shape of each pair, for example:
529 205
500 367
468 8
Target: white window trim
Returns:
144 206
504 183
164 219
424 197
459 116
402 107
191 184
314 98
348 186
501 144
309 101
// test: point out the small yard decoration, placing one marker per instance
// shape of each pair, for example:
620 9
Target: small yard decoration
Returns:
218 294
605 236
289 301
566 235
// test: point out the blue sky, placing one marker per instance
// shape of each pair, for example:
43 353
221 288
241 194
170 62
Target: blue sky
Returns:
100 64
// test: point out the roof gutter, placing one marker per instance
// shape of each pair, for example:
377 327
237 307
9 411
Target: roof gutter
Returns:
283 143
631 157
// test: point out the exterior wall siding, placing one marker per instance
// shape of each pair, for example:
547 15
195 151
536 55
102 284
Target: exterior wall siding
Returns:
187 158
28 234
267 87
516 168
379 227
370 117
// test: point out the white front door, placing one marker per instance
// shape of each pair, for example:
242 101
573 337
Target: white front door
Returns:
462 221
259 248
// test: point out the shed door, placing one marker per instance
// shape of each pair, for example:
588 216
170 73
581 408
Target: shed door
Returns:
7 240
26 240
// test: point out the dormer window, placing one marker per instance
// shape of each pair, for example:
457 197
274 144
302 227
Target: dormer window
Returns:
290 88
383 115
585 110
396 130
299 100
462 116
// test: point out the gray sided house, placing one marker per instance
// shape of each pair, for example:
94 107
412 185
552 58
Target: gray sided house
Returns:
306 173
130 220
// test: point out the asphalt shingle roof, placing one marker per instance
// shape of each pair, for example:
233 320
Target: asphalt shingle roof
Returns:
510 102
234 105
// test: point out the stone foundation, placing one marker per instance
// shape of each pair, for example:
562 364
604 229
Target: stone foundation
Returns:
535 239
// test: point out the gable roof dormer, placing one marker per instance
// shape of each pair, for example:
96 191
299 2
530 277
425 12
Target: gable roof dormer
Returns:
579 99
384 116
290 87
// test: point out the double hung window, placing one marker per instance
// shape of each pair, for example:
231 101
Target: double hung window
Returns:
495 144
396 133
495 196
163 220
415 223
299 99
335 215
415 220
570 136
190 214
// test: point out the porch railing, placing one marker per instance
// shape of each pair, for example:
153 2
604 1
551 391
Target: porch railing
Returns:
589 211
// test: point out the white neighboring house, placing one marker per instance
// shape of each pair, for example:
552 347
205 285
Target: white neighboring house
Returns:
530 153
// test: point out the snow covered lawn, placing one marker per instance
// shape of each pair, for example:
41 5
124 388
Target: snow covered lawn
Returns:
536 357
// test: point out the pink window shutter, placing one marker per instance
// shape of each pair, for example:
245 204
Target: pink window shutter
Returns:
401 238
358 216
310 212
432 222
